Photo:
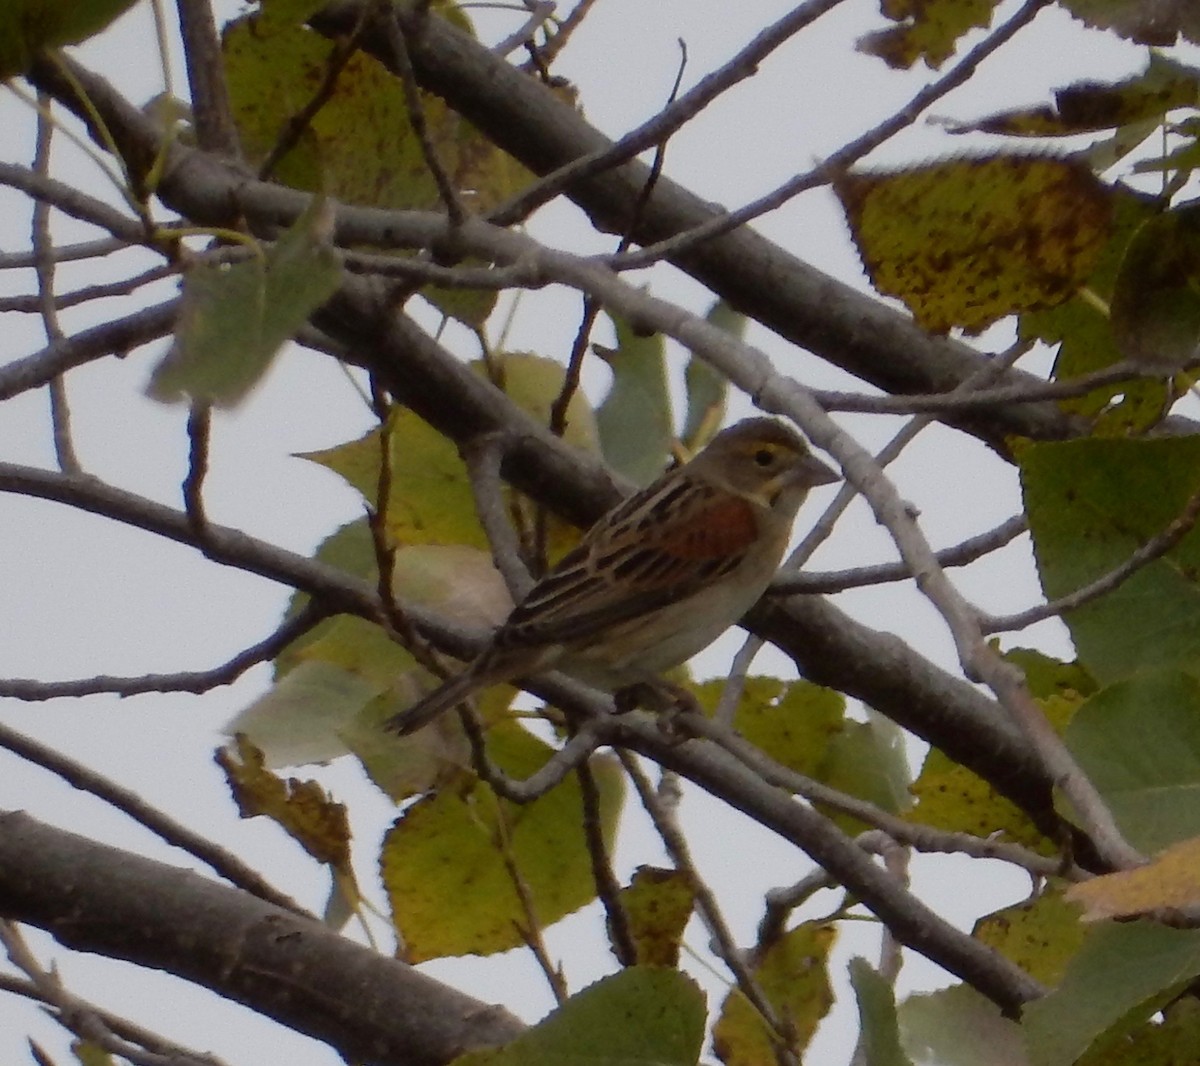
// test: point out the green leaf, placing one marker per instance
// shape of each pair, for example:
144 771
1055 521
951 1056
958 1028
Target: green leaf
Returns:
867 760
28 26
927 29
642 1016
958 1027
235 317
1120 977
966 242
634 420
1091 503
453 846
879 1030
1139 742
1156 302
707 388
793 973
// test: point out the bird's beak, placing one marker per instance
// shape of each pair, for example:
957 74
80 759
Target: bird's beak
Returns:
811 472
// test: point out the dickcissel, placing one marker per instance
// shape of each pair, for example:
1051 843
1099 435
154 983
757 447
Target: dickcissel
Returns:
658 578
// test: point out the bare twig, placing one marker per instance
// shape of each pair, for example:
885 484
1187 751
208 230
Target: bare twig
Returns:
60 410
843 157
725 947
61 301
120 335
1155 548
199 426
483 457
539 12
123 1027
197 681
671 118
215 128
810 582
66 253
542 58
71 201
79 1017
456 211
608 888
84 778
948 402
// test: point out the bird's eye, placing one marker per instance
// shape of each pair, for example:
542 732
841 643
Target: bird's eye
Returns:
764 457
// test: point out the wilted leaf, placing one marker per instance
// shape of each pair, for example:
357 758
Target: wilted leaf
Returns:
1087 106
794 976
1041 935
1156 22
1085 337
1170 882
658 904
929 30
301 808
967 242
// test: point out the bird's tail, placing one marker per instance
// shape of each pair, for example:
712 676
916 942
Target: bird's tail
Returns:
426 709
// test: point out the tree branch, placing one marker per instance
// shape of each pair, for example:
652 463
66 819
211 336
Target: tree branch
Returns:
99 899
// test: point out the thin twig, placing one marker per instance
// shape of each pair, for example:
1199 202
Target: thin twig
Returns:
1155 548
608 888
79 1017
42 242
61 301
531 932
541 59
123 1027
725 947
84 778
677 114
192 681
539 12
968 551
65 253
948 402
216 131
342 52
840 160
199 426
483 456
455 209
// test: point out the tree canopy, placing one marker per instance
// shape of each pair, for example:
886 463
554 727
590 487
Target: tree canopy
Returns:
481 319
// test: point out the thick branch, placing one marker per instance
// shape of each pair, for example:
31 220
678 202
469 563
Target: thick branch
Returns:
755 276
99 899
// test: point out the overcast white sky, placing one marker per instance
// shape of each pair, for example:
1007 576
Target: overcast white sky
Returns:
83 597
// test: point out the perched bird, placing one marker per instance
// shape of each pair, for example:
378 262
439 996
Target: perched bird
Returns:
656 579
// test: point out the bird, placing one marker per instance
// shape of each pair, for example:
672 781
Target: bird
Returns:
656 579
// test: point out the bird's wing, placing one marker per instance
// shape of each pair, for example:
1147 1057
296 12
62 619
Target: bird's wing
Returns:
657 548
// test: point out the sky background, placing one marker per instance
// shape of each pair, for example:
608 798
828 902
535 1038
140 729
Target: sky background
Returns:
85 597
